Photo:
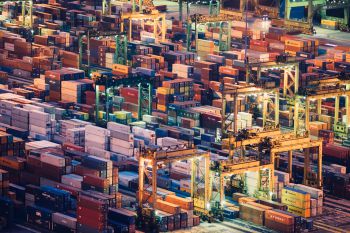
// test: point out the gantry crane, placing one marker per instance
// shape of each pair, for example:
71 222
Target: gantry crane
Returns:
159 23
109 81
331 87
226 169
217 21
120 54
232 92
27 12
164 155
237 14
272 10
298 143
106 7
214 7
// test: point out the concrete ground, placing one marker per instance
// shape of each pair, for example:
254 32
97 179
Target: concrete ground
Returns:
335 36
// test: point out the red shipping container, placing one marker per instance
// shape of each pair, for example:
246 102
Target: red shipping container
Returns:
260 43
81 171
92 203
95 181
86 213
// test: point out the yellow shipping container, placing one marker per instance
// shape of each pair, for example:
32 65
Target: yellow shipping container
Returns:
296 43
205 43
328 22
198 203
295 202
290 194
306 213
161 107
101 114
121 68
121 115
163 90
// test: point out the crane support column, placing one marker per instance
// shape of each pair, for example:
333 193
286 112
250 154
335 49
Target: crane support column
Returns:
306 165
319 167
235 126
290 163
277 109
319 107
264 109
107 100
296 78
222 193
307 114
207 179
193 176
272 157
286 10
139 111
336 110
97 96
296 115
141 179
154 182
180 10
285 83
164 27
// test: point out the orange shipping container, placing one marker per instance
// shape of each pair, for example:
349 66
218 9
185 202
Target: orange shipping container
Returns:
244 200
279 217
168 207
13 162
182 202
228 70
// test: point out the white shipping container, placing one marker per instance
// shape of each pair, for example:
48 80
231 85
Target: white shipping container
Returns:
40 145
98 152
52 159
95 139
122 135
64 220
91 143
72 180
96 130
122 150
145 133
31 107
40 130
118 127
314 192
121 143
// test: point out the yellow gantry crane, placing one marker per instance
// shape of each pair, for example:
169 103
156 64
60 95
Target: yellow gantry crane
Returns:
221 171
158 20
166 155
231 93
27 12
299 143
329 88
